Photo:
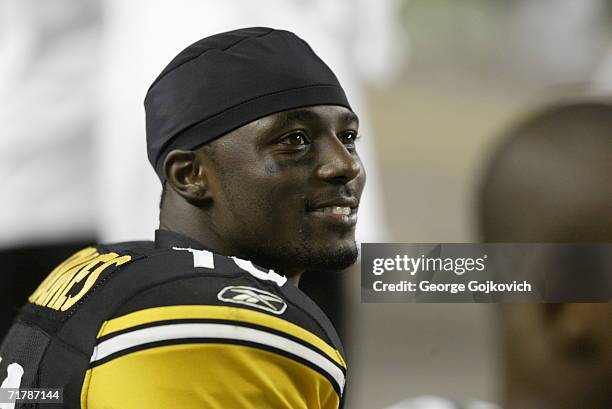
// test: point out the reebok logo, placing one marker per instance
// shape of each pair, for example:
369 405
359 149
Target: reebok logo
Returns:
253 297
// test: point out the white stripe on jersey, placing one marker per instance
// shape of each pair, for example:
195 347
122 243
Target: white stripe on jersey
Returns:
205 331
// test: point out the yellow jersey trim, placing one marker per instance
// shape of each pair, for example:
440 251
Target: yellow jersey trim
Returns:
215 376
178 312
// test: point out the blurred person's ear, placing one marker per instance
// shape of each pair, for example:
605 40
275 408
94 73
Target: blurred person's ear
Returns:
559 354
579 332
563 332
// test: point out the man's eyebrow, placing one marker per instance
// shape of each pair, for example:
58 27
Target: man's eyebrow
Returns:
304 115
350 117
298 115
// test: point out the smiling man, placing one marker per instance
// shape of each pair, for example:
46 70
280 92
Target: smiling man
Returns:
254 141
281 191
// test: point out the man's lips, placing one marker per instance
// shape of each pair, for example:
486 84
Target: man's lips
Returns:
351 203
341 211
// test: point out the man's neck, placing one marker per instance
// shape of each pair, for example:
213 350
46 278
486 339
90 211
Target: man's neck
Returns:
292 277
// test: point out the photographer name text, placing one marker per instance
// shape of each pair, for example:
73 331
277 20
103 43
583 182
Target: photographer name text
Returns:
458 266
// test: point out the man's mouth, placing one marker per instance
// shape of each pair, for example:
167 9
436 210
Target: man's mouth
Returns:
340 212
345 210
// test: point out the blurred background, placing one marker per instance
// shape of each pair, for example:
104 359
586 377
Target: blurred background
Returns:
436 83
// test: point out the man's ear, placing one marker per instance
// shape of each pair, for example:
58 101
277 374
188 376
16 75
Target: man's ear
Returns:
184 171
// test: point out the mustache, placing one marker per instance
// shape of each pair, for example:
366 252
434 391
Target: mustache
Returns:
344 197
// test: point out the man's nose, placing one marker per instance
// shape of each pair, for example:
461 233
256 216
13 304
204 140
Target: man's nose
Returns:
337 164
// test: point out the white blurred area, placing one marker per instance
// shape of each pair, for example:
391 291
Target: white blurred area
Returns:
48 71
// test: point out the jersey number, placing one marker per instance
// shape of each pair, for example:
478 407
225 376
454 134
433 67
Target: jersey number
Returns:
13 380
205 258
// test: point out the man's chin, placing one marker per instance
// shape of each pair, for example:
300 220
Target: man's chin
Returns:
324 259
307 256
335 260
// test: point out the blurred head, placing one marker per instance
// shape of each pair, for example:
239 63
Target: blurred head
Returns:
549 182
254 138
549 179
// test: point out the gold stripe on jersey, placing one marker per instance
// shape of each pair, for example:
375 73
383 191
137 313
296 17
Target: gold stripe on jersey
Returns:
212 376
178 312
217 332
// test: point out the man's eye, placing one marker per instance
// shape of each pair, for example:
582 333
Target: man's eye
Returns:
348 138
295 139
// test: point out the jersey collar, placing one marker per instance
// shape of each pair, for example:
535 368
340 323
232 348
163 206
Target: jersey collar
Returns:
170 239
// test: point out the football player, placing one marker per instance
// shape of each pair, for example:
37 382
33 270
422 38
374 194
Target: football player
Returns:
254 141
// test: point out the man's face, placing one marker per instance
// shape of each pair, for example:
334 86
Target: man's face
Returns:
286 189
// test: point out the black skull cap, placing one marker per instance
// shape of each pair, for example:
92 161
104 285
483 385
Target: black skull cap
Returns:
227 80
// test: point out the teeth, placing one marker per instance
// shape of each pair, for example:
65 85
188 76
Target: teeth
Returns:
337 210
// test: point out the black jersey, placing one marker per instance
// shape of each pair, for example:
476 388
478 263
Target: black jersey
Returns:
170 324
